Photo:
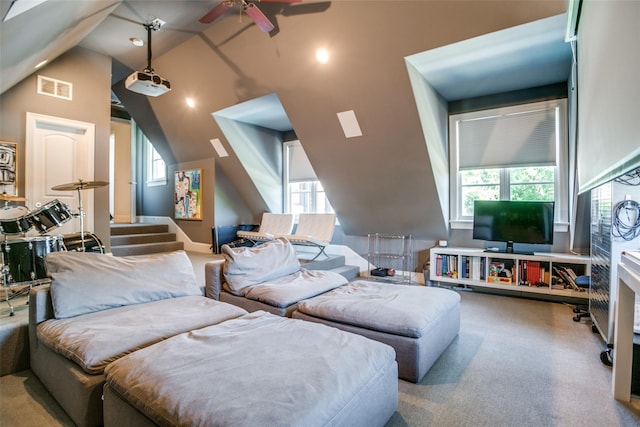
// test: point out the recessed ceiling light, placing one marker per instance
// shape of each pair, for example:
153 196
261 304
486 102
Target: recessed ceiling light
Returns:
322 55
136 41
191 103
41 64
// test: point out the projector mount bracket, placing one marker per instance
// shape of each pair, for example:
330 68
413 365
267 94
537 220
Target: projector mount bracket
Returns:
154 25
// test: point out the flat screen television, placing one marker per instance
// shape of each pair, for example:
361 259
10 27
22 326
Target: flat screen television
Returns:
513 222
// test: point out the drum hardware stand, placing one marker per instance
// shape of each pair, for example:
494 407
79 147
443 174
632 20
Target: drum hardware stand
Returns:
5 284
81 214
79 186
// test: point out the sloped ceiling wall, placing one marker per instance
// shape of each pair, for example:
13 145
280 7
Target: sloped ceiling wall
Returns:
382 181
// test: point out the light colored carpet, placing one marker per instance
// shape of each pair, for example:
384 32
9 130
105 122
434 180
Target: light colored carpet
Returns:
516 362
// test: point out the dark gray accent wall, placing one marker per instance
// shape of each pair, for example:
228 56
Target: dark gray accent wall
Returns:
230 209
534 94
384 181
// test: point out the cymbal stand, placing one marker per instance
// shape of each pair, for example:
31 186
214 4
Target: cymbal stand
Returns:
81 213
5 284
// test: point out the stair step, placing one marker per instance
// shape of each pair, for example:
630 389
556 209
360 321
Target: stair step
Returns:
324 263
132 239
120 229
350 272
146 248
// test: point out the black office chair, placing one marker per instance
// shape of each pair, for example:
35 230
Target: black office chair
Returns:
582 310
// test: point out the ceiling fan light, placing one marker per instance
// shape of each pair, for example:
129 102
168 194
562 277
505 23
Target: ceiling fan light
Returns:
258 17
136 41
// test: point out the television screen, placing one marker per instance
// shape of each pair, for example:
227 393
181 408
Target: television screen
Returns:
513 222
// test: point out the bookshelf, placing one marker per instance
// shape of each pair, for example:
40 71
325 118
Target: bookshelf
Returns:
540 274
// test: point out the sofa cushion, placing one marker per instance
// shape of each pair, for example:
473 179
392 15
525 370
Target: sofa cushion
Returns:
87 282
404 310
97 339
287 290
247 266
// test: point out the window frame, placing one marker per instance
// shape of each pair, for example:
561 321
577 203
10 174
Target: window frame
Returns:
561 173
153 180
286 184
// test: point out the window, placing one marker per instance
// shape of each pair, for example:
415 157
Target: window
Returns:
156 168
304 192
510 153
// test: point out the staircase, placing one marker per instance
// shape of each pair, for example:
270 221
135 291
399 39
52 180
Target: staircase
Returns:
141 239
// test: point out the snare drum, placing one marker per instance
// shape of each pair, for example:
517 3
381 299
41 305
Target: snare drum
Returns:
14 220
25 257
51 215
73 243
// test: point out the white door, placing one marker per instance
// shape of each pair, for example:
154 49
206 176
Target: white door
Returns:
122 196
59 151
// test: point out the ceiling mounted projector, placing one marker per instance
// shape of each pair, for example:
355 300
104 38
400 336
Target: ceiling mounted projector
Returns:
147 82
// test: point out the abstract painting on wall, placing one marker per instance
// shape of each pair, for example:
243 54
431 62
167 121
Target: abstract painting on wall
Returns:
188 194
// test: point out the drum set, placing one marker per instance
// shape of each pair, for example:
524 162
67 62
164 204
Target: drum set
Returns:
22 263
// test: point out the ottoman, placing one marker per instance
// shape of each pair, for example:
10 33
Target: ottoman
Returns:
418 322
255 370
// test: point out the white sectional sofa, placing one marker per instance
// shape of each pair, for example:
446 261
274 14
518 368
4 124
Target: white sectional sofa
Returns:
418 322
126 327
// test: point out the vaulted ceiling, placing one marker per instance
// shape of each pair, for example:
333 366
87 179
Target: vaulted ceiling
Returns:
387 180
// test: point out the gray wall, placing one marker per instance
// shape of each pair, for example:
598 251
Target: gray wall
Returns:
90 103
384 181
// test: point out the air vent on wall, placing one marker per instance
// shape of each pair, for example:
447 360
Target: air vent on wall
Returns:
55 88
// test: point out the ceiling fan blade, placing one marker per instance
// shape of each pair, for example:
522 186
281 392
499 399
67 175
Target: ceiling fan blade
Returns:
305 8
215 13
258 17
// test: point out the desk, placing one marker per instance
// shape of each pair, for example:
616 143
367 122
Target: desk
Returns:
628 287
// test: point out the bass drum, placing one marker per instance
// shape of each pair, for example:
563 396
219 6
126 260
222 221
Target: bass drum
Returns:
73 243
25 257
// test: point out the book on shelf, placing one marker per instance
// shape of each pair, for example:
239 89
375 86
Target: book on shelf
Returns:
533 273
567 275
462 273
449 266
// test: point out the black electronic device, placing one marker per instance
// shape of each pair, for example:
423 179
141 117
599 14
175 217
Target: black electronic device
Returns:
512 222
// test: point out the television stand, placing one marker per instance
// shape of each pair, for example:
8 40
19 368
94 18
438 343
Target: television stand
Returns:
498 251
543 275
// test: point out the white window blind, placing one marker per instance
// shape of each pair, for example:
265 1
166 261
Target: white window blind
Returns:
501 138
300 168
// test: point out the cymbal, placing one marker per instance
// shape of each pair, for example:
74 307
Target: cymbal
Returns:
5 196
80 185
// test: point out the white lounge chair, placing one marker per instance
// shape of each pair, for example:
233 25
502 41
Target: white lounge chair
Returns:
271 226
313 230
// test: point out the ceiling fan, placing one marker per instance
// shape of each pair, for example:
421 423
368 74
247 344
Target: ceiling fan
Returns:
248 7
